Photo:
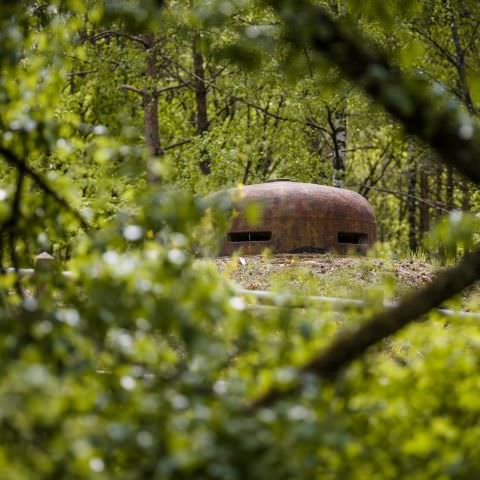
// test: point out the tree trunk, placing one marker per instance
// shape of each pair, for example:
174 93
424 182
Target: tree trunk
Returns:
424 196
466 94
152 137
439 187
461 67
450 187
150 100
411 207
200 100
411 198
247 135
338 126
150 107
200 88
340 147
340 120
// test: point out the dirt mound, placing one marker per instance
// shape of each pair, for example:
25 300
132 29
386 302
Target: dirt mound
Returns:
325 274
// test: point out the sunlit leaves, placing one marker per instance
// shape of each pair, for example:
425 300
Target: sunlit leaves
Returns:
454 234
385 13
140 362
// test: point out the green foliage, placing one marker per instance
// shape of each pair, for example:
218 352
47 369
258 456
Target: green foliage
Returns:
454 235
144 361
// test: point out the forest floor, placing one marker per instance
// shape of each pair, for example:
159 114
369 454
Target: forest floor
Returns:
325 274
334 275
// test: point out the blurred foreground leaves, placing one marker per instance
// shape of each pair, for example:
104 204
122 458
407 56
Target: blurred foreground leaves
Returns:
142 362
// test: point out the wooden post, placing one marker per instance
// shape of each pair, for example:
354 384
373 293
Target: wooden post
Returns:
44 263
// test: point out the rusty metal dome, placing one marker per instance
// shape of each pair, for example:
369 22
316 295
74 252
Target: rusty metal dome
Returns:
301 218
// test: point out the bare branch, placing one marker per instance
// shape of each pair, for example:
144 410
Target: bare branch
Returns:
156 92
171 88
133 89
312 123
373 177
210 84
81 74
178 144
22 167
112 33
10 226
412 101
473 36
440 49
436 205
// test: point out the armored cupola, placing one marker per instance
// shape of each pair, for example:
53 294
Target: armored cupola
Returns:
301 217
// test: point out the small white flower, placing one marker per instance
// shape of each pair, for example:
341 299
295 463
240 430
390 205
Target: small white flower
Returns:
70 316
110 257
456 216
100 130
96 464
144 439
220 387
226 8
238 303
132 233
127 382
176 256
299 413
466 131
179 402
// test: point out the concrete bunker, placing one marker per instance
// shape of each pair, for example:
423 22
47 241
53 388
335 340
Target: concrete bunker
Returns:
301 218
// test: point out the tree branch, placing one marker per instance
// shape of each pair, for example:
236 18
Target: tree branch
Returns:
156 92
178 144
441 50
171 88
112 33
10 227
441 207
412 101
25 169
81 74
350 344
133 89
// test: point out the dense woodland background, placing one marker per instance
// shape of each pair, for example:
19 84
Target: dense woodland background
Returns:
116 119
221 101
180 92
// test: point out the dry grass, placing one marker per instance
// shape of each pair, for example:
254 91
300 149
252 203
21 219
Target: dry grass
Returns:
325 274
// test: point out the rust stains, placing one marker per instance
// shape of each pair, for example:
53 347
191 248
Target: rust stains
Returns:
302 218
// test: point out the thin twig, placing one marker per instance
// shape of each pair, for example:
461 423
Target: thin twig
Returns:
21 166
9 226
112 33
178 144
130 88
